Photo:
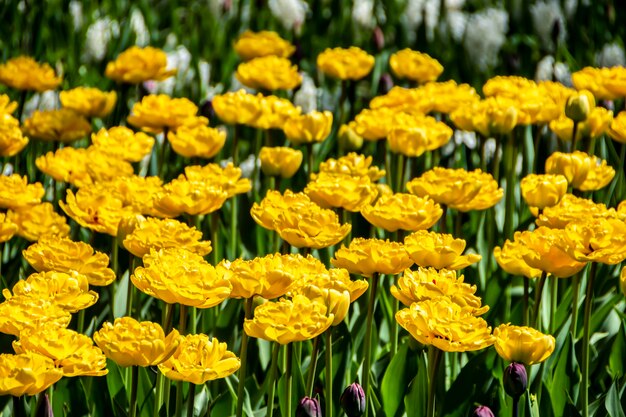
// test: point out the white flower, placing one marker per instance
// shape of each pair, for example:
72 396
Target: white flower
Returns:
546 16
48 100
179 58
217 7
611 55
363 13
138 25
291 13
76 10
484 36
461 138
457 22
98 36
306 96
549 70
418 10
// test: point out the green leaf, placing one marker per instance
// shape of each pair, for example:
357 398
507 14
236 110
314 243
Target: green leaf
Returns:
416 401
395 381
612 403
616 359
117 389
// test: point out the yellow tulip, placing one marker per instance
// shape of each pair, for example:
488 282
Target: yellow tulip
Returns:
345 64
136 65
24 73
269 73
352 164
280 161
522 344
510 259
545 253
89 102
238 107
310 226
26 374
251 45
38 221
596 240
572 208
12 141
341 191
266 212
370 256
63 125
93 210
402 211
543 190
199 359
437 250
16 192
617 129
123 143
128 342
20 313
8 229
156 112
308 128
415 66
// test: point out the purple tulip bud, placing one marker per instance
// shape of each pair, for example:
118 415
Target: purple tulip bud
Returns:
353 400
44 408
515 379
309 407
482 411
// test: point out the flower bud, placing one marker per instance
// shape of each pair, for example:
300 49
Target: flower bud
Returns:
482 411
44 408
127 225
353 400
515 380
579 106
309 407
349 139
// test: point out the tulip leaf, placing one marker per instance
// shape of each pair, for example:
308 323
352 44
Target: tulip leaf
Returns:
395 381
616 359
563 373
117 389
416 401
119 305
612 402
69 398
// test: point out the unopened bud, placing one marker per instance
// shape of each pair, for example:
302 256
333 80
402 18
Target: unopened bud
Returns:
515 380
126 226
482 411
349 140
353 400
579 106
309 407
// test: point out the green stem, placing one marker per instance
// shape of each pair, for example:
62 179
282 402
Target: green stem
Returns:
233 227
191 396
288 378
309 151
329 372
367 363
312 367
515 410
394 327
553 301
166 318
80 326
576 289
574 131
538 291
510 187
255 171
271 387
235 145
243 355
584 386
134 382
215 241
434 357
399 173
525 305
179 399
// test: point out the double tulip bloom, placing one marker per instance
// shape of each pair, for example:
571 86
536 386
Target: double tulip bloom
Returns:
24 73
136 65
522 344
345 64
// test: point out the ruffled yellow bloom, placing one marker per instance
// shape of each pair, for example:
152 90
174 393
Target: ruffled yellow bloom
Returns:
21 313
17 193
270 276
99 212
123 143
595 240
63 255
598 177
199 359
70 291
445 325
310 226
176 275
333 289
438 250
492 116
66 165
522 344
348 139
275 112
543 190
540 249
135 192
430 284
353 164
7 228
413 135
402 211
269 73
266 212
447 96
6 105
227 178
136 65
238 107
72 352
129 342
341 191
26 374
280 161
604 83
24 73
372 256
574 166
458 188
351 63
617 129
89 102
412 100
510 259
63 125
164 234
287 321
415 66
199 141
251 45
156 112
190 197
571 208
11 139
374 124
38 221
309 128
102 166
